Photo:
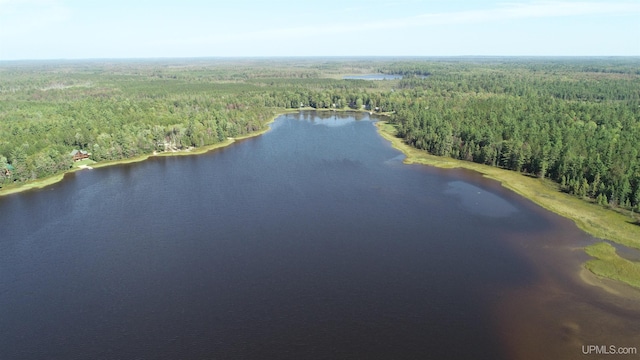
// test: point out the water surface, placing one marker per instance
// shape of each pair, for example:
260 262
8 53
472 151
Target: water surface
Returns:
312 241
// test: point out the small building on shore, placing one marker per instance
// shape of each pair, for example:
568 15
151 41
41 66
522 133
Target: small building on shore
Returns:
78 155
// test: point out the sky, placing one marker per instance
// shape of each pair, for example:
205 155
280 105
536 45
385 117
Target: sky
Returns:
87 29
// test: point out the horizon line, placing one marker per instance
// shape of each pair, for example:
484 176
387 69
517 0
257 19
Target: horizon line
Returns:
254 57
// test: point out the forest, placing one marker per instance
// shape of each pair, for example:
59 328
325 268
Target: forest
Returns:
575 121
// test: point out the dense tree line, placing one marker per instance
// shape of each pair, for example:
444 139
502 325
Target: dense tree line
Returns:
580 129
122 109
575 121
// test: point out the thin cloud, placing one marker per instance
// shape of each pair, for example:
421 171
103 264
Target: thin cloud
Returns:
515 11
13 5
19 17
503 12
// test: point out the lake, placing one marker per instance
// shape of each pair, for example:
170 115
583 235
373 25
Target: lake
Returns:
312 241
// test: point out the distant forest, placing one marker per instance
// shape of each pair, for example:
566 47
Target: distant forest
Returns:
573 120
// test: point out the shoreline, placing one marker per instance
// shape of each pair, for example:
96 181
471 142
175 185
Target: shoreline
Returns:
593 219
51 180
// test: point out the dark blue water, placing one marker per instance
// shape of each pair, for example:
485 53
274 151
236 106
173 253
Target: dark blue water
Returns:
312 241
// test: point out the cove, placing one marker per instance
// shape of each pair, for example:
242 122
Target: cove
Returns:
312 241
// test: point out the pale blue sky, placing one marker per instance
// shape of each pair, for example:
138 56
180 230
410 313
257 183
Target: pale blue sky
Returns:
76 29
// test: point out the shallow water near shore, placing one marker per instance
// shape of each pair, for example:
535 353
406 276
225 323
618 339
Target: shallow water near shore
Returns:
311 241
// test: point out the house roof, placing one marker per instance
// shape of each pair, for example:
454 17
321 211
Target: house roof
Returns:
10 167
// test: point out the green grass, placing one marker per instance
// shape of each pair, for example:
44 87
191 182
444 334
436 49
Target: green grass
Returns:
607 263
121 161
594 219
33 184
87 162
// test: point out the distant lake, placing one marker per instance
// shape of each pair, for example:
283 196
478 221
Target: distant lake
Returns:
312 241
373 77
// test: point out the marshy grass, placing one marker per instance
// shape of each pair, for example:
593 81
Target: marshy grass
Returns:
596 220
609 264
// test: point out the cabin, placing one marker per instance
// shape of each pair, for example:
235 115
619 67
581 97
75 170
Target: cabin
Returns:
78 155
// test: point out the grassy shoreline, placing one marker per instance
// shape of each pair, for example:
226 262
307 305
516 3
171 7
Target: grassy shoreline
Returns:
591 218
50 180
44 182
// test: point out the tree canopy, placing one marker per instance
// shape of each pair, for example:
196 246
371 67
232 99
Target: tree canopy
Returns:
573 120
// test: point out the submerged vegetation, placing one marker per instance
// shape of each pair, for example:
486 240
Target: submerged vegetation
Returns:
571 125
592 218
609 264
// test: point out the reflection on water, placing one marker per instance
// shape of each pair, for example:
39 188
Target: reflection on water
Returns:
334 121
